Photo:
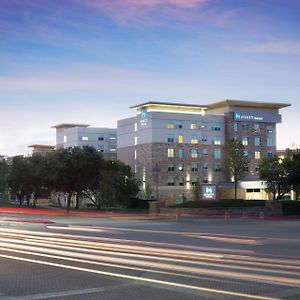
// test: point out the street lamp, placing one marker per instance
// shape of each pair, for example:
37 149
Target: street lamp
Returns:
156 169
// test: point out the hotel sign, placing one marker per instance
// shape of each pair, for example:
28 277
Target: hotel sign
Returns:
246 117
144 115
209 192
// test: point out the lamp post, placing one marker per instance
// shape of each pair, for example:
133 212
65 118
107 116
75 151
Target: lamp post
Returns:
156 169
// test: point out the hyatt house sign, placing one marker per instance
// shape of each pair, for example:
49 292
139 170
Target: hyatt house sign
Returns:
268 117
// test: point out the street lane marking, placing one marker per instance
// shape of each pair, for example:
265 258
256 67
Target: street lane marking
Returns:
139 279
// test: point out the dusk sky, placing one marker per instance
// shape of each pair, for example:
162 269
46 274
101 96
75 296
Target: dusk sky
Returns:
87 61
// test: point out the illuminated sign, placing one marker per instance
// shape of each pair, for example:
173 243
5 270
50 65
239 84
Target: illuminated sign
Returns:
245 117
144 113
209 192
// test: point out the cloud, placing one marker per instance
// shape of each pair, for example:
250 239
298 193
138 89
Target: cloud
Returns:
274 46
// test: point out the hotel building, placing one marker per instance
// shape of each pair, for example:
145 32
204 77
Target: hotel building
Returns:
171 146
80 135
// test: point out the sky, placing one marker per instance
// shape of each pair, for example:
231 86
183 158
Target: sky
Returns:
88 61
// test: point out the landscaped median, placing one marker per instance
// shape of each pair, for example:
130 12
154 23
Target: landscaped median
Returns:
228 209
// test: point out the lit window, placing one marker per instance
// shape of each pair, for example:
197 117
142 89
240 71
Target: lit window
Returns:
85 138
194 139
194 153
194 167
269 142
235 127
257 154
194 125
204 125
257 141
170 124
135 127
135 140
113 149
217 140
65 138
180 139
170 138
180 153
170 152
245 141
217 154
171 181
205 152
180 167
112 137
135 154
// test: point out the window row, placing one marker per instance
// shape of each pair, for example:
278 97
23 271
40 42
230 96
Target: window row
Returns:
194 153
181 181
256 127
194 139
194 167
258 141
180 124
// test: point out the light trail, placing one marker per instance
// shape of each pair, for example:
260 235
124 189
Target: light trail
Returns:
144 280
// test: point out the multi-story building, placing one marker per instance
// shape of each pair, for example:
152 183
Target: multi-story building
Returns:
80 135
173 146
41 149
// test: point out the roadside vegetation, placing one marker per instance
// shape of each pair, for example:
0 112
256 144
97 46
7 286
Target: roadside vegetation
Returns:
79 173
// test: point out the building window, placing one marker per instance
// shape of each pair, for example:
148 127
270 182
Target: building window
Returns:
135 127
217 167
112 149
217 154
205 180
170 152
256 127
269 128
135 154
257 141
170 124
235 138
194 139
194 153
217 126
235 127
245 127
269 142
171 181
180 153
135 140
203 125
194 125
257 154
65 138
204 139
171 167
245 141
181 181
205 152
246 169
217 140
101 148
112 137
246 154
170 138
101 138
85 138
256 169
179 124
194 181
269 154
194 167
180 139
205 166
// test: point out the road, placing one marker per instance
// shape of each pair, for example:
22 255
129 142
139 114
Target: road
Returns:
75 258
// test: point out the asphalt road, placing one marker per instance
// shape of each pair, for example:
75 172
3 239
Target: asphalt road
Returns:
75 258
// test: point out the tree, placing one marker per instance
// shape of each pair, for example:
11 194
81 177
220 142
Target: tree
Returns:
3 177
275 171
235 163
146 193
196 191
294 173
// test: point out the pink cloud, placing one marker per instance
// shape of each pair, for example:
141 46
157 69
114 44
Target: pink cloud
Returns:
274 46
145 12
